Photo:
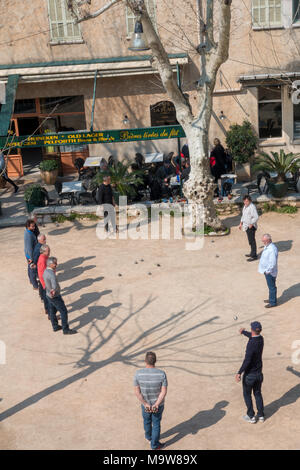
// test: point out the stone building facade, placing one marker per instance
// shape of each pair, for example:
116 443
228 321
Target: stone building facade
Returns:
56 63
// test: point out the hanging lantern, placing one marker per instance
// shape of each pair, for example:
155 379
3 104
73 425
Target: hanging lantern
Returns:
138 41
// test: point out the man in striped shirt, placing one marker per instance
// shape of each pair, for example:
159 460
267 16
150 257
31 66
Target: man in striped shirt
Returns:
150 386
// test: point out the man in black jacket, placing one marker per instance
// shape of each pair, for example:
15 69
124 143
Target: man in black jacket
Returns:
105 197
252 369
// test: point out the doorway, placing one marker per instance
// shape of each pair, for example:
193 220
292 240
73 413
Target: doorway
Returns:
31 156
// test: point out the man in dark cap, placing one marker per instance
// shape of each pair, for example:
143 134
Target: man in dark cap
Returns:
252 369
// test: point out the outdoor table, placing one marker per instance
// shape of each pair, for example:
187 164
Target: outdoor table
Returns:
229 176
154 157
174 182
71 187
93 161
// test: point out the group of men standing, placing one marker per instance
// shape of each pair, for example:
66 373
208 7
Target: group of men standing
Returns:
268 263
41 268
150 384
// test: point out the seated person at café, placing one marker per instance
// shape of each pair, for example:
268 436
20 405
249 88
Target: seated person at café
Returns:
163 176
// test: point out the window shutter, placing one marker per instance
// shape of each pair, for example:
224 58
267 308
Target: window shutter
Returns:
130 17
61 22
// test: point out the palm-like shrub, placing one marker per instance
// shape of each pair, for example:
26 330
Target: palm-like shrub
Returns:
281 163
122 180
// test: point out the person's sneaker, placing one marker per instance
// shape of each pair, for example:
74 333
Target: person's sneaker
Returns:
70 332
58 328
261 419
269 306
249 420
248 256
266 301
254 258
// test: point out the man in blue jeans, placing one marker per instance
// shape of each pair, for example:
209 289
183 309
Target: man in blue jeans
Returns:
268 266
30 242
150 386
252 370
55 300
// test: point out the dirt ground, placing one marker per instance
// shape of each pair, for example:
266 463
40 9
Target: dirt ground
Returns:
76 392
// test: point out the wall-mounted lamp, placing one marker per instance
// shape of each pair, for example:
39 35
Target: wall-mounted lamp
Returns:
222 116
138 41
126 120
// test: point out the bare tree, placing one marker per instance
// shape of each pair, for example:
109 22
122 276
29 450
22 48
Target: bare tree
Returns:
200 186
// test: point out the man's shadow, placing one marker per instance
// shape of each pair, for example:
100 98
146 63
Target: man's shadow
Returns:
94 313
86 299
290 293
201 420
287 399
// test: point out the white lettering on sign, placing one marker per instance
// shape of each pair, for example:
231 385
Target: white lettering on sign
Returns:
296 92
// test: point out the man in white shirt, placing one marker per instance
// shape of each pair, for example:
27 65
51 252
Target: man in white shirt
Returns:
249 225
268 267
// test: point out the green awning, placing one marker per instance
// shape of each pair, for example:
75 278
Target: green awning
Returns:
8 107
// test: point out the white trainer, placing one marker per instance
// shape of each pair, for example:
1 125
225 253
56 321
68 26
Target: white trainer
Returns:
249 420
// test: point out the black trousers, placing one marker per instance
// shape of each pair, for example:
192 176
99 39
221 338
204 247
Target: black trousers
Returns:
6 178
251 239
110 216
253 383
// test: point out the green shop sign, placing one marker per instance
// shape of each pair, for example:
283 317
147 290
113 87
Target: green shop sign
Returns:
95 137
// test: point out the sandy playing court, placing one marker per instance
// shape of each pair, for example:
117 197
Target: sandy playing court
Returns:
76 392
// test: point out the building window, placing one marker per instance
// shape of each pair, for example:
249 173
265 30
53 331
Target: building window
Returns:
296 11
266 13
163 114
270 112
62 27
130 16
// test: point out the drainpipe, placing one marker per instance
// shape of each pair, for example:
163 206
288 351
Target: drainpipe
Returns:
93 105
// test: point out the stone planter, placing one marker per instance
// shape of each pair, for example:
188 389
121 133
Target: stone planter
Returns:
278 190
49 177
243 171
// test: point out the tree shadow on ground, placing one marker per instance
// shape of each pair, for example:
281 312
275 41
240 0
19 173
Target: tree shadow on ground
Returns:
233 221
289 293
94 313
77 286
163 333
201 420
291 396
86 299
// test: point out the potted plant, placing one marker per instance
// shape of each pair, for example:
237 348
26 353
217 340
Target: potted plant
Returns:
242 142
49 171
280 163
35 196
122 180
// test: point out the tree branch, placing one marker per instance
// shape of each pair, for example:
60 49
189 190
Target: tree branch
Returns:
161 62
210 21
221 52
96 13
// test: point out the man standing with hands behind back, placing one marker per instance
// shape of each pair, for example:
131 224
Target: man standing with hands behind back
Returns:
249 224
150 386
268 267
